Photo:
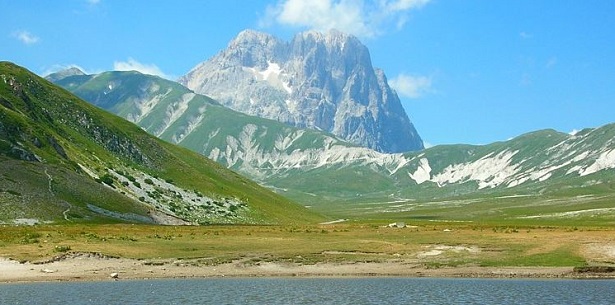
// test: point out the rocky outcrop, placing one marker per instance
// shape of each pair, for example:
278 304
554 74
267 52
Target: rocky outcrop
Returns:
319 81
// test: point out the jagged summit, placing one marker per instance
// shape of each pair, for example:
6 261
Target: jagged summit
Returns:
322 81
252 35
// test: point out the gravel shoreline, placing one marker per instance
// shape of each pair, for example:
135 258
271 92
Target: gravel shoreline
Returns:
96 267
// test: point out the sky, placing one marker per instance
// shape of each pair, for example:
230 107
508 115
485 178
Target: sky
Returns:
466 71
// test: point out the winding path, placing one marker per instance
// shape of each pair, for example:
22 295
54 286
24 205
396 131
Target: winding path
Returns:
50 180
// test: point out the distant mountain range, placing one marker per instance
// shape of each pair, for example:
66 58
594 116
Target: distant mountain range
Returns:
64 160
317 168
313 121
319 81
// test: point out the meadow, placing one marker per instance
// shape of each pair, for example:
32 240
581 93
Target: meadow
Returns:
425 244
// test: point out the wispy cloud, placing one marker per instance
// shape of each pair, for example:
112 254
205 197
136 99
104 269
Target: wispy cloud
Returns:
132 65
411 86
525 35
363 18
93 2
551 62
26 37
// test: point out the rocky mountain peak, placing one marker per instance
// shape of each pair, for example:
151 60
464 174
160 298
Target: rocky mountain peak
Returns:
251 36
323 81
56 76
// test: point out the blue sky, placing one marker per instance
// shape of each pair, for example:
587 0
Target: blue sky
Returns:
467 71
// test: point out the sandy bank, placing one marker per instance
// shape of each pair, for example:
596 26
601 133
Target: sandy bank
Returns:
94 267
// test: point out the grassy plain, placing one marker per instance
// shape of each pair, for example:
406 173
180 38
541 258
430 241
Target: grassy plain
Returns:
429 245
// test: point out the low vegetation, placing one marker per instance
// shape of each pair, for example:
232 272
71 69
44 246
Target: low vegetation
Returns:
432 246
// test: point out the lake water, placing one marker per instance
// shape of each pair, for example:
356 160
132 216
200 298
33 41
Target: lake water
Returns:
314 291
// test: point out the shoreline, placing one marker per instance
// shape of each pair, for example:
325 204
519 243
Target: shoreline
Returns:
89 267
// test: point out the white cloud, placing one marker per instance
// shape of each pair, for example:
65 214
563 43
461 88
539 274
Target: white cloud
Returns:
363 18
402 5
26 37
411 86
132 65
573 132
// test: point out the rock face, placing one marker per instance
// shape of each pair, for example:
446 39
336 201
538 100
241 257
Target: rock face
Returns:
319 81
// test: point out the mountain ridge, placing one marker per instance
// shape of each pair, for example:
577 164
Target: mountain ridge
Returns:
295 162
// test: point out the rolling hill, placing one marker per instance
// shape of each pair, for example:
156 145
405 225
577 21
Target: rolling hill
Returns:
64 160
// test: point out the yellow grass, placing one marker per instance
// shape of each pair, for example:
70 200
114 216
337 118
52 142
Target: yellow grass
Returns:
431 246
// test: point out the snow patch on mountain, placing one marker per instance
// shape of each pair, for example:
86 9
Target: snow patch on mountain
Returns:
283 142
489 171
537 173
246 152
175 110
193 124
272 75
145 106
422 173
606 160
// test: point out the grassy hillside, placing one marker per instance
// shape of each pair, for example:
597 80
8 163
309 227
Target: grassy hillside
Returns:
63 159
543 176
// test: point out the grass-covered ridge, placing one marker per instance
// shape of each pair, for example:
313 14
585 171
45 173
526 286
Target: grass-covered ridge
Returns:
63 159
542 176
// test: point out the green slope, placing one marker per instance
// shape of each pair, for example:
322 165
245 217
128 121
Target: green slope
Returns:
63 159
538 173
172 112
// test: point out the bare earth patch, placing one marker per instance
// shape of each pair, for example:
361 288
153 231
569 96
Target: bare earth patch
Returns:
436 250
95 268
601 252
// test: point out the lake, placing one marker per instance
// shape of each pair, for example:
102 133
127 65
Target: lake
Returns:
313 291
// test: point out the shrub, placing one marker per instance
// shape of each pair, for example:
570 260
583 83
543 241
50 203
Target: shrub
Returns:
61 249
31 238
107 179
13 192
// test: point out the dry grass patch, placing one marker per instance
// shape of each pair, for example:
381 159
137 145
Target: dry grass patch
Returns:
338 243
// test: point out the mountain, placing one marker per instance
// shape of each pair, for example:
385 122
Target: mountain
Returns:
318 81
62 159
174 113
65 73
319 170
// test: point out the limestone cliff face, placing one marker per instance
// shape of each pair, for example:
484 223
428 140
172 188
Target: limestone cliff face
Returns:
319 81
